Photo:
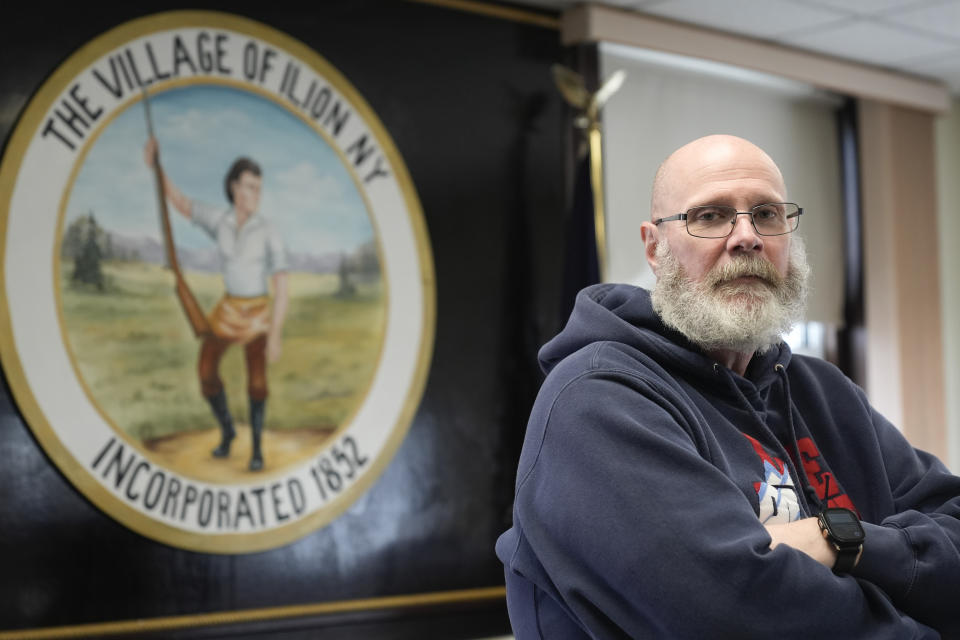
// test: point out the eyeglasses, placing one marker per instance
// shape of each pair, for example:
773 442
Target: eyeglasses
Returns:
717 221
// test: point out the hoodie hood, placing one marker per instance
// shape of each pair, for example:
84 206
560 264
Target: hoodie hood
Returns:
624 314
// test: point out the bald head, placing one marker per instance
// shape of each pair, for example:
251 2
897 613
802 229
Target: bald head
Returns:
708 166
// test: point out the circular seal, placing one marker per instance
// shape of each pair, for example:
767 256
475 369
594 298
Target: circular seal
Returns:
217 303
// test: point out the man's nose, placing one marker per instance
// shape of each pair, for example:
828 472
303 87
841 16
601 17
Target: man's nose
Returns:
744 236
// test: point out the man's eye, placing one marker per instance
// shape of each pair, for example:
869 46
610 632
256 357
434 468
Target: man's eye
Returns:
766 213
708 215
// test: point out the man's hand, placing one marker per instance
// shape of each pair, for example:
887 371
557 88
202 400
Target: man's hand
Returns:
181 203
281 298
274 346
804 535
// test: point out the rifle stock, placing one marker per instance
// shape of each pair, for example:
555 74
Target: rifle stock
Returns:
195 316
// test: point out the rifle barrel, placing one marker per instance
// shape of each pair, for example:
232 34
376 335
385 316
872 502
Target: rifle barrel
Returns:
191 307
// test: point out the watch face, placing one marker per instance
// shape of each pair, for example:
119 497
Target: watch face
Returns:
844 525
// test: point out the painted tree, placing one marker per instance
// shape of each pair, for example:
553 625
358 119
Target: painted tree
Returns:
86 266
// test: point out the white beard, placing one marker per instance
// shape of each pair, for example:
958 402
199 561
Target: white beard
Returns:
717 315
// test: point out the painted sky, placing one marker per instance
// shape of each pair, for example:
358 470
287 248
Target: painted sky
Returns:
307 192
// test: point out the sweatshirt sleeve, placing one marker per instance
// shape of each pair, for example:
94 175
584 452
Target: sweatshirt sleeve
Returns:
913 553
622 520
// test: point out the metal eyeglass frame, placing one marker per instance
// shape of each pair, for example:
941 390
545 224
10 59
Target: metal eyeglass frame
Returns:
733 222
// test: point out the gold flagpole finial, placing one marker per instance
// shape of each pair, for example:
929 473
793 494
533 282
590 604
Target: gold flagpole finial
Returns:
588 105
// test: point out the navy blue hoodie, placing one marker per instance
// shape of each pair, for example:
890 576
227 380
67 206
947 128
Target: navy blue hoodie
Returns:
648 471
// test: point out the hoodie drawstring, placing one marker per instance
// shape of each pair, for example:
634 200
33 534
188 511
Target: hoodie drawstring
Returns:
808 489
794 459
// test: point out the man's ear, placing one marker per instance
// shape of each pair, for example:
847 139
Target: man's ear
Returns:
650 235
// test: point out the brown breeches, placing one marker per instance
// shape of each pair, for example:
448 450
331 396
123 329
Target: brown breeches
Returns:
255 351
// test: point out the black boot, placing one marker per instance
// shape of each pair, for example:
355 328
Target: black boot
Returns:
257 409
219 405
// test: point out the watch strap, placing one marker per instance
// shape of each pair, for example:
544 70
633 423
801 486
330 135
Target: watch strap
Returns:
846 559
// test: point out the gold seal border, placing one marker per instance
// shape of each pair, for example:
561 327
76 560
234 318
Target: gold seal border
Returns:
19 143
173 623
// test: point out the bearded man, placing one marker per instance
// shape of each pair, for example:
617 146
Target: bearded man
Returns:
684 476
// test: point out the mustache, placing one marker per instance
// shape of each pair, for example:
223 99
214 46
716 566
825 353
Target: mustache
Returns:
746 266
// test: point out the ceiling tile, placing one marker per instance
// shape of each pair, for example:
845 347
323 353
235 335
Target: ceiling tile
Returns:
870 42
942 19
944 67
762 18
865 7
914 36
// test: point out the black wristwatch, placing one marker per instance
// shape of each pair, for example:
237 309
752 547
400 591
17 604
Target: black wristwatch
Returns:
842 528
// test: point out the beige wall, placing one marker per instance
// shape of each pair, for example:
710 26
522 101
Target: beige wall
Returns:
905 360
947 139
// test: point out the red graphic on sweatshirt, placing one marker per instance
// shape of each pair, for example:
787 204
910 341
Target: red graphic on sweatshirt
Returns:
777 463
777 498
821 479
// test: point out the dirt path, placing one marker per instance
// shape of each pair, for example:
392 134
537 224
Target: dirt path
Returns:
189 452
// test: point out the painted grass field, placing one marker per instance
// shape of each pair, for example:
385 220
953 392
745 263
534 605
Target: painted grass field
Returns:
134 350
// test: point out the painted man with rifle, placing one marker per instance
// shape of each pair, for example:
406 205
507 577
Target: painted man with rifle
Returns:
251 253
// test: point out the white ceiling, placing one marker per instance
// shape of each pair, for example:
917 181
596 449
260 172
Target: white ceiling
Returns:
919 37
